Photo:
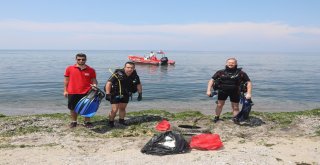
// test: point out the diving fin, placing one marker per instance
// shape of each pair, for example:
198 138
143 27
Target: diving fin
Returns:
84 102
245 110
88 105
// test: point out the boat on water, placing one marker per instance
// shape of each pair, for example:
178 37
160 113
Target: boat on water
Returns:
152 59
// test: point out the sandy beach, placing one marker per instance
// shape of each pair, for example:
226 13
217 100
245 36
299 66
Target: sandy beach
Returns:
263 143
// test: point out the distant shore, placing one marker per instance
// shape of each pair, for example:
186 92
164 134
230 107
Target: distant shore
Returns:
266 138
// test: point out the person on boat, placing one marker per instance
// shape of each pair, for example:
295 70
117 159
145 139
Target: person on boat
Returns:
228 82
152 56
119 87
78 79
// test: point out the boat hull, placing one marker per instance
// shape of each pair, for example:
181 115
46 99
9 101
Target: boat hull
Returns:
143 60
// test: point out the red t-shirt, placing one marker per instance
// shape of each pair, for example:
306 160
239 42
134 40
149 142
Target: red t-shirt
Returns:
79 80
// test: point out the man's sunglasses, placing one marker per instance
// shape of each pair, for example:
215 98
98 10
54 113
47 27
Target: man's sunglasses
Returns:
81 59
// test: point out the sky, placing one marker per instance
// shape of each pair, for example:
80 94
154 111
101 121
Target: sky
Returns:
190 25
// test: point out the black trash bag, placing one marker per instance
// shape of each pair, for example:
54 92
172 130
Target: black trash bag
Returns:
167 143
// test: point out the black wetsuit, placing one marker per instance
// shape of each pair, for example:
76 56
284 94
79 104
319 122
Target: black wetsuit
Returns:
227 82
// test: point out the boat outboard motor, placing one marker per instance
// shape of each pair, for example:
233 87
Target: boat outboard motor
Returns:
164 60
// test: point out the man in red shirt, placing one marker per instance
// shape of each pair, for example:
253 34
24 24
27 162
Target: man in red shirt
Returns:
78 79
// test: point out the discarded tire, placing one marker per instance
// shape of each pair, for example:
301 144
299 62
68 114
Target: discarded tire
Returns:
190 129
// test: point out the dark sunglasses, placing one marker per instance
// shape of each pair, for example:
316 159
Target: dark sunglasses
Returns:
81 59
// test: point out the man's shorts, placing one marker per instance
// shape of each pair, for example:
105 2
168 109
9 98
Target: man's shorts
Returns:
73 99
118 99
233 94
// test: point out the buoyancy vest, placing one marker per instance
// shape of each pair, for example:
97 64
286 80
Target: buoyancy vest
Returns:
124 85
134 80
228 79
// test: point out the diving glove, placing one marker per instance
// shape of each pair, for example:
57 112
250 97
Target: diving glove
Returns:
108 97
213 94
139 97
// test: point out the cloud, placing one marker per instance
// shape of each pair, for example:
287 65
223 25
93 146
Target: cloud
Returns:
248 36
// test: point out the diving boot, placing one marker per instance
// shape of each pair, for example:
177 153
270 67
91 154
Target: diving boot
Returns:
216 119
111 124
123 122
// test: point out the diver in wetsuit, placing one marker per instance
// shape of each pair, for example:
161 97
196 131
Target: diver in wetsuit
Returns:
228 82
119 87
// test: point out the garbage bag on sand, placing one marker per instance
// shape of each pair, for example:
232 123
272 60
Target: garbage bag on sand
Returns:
166 143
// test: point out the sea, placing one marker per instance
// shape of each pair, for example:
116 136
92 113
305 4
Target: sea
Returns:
32 80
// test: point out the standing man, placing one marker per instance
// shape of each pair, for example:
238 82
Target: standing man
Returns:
228 82
119 87
78 79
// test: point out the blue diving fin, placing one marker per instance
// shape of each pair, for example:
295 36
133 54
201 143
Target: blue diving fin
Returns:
84 102
89 105
92 108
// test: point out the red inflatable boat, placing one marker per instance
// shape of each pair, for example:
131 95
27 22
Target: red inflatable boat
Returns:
151 59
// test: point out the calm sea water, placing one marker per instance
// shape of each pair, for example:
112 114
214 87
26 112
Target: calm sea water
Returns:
32 81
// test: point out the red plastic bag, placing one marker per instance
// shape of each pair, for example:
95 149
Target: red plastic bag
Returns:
206 141
164 125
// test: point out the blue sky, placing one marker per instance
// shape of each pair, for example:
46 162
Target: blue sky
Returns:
214 25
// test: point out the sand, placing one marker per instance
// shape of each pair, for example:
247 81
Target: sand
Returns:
261 145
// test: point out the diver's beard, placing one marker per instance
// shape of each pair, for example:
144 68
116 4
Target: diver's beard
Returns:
232 69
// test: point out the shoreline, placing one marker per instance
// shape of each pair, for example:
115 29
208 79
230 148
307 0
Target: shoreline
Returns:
206 107
267 138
